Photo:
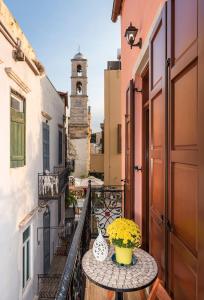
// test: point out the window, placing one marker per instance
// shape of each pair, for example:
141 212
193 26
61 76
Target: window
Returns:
46 147
119 139
79 88
17 130
60 147
79 70
26 256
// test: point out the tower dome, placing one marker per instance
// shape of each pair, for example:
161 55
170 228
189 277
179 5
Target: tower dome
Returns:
79 56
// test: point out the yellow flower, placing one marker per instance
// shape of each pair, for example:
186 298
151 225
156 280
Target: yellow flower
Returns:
124 232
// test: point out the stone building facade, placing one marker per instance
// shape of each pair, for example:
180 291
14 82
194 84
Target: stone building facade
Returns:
79 123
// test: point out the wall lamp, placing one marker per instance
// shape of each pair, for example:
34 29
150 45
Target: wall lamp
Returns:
130 35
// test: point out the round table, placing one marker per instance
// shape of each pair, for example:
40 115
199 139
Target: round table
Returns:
121 279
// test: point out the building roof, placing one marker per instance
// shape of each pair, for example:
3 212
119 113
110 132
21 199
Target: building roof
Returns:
79 56
117 4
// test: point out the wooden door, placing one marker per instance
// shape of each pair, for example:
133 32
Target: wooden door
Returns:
157 143
183 150
129 152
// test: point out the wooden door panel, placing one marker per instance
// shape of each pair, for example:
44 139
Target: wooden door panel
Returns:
184 206
183 148
184 275
185 25
185 107
157 126
157 245
157 53
157 187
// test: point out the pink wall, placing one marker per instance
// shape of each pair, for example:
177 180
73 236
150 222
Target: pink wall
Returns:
141 13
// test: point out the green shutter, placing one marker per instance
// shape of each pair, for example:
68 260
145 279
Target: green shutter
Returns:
17 142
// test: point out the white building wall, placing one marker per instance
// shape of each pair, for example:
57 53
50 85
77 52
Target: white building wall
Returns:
81 163
19 186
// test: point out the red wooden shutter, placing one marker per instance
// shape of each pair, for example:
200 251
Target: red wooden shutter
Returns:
129 152
157 142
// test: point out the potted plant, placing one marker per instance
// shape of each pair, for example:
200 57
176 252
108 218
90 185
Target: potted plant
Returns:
125 235
70 203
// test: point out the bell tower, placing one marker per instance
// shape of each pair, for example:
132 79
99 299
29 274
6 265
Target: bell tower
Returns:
79 127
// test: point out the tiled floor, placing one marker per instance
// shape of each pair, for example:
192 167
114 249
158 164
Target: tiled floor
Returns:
48 284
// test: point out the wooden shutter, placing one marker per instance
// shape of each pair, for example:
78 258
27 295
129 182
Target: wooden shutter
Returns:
17 139
157 143
184 145
46 147
129 152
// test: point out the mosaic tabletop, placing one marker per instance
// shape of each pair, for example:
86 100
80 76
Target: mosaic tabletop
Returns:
120 278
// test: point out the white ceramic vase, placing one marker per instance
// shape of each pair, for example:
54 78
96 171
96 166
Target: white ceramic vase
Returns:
100 248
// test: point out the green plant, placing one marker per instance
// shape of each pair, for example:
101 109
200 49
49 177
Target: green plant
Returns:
71 200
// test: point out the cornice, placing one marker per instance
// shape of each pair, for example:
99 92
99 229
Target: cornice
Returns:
17 80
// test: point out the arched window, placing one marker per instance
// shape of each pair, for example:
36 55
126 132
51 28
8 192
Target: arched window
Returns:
79 88
79 70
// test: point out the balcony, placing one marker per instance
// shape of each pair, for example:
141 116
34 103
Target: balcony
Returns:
52 185
66 280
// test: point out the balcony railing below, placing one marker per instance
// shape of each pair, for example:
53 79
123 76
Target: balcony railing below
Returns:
52 185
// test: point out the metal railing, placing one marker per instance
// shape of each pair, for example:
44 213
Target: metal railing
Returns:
48 285
106 206
52 185
101 206
72 283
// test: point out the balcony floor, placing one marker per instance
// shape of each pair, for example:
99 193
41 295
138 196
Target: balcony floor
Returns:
95 292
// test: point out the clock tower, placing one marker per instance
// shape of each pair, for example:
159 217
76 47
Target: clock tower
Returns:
79 123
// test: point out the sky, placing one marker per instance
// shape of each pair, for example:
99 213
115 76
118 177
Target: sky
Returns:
55 30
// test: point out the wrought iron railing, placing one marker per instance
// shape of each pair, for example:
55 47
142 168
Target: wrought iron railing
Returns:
48 285
52 185
72 283
106 206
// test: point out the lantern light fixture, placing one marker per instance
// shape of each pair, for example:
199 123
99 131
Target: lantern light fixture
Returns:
130 35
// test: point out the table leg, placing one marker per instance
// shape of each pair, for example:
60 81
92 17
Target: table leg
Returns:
118 295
